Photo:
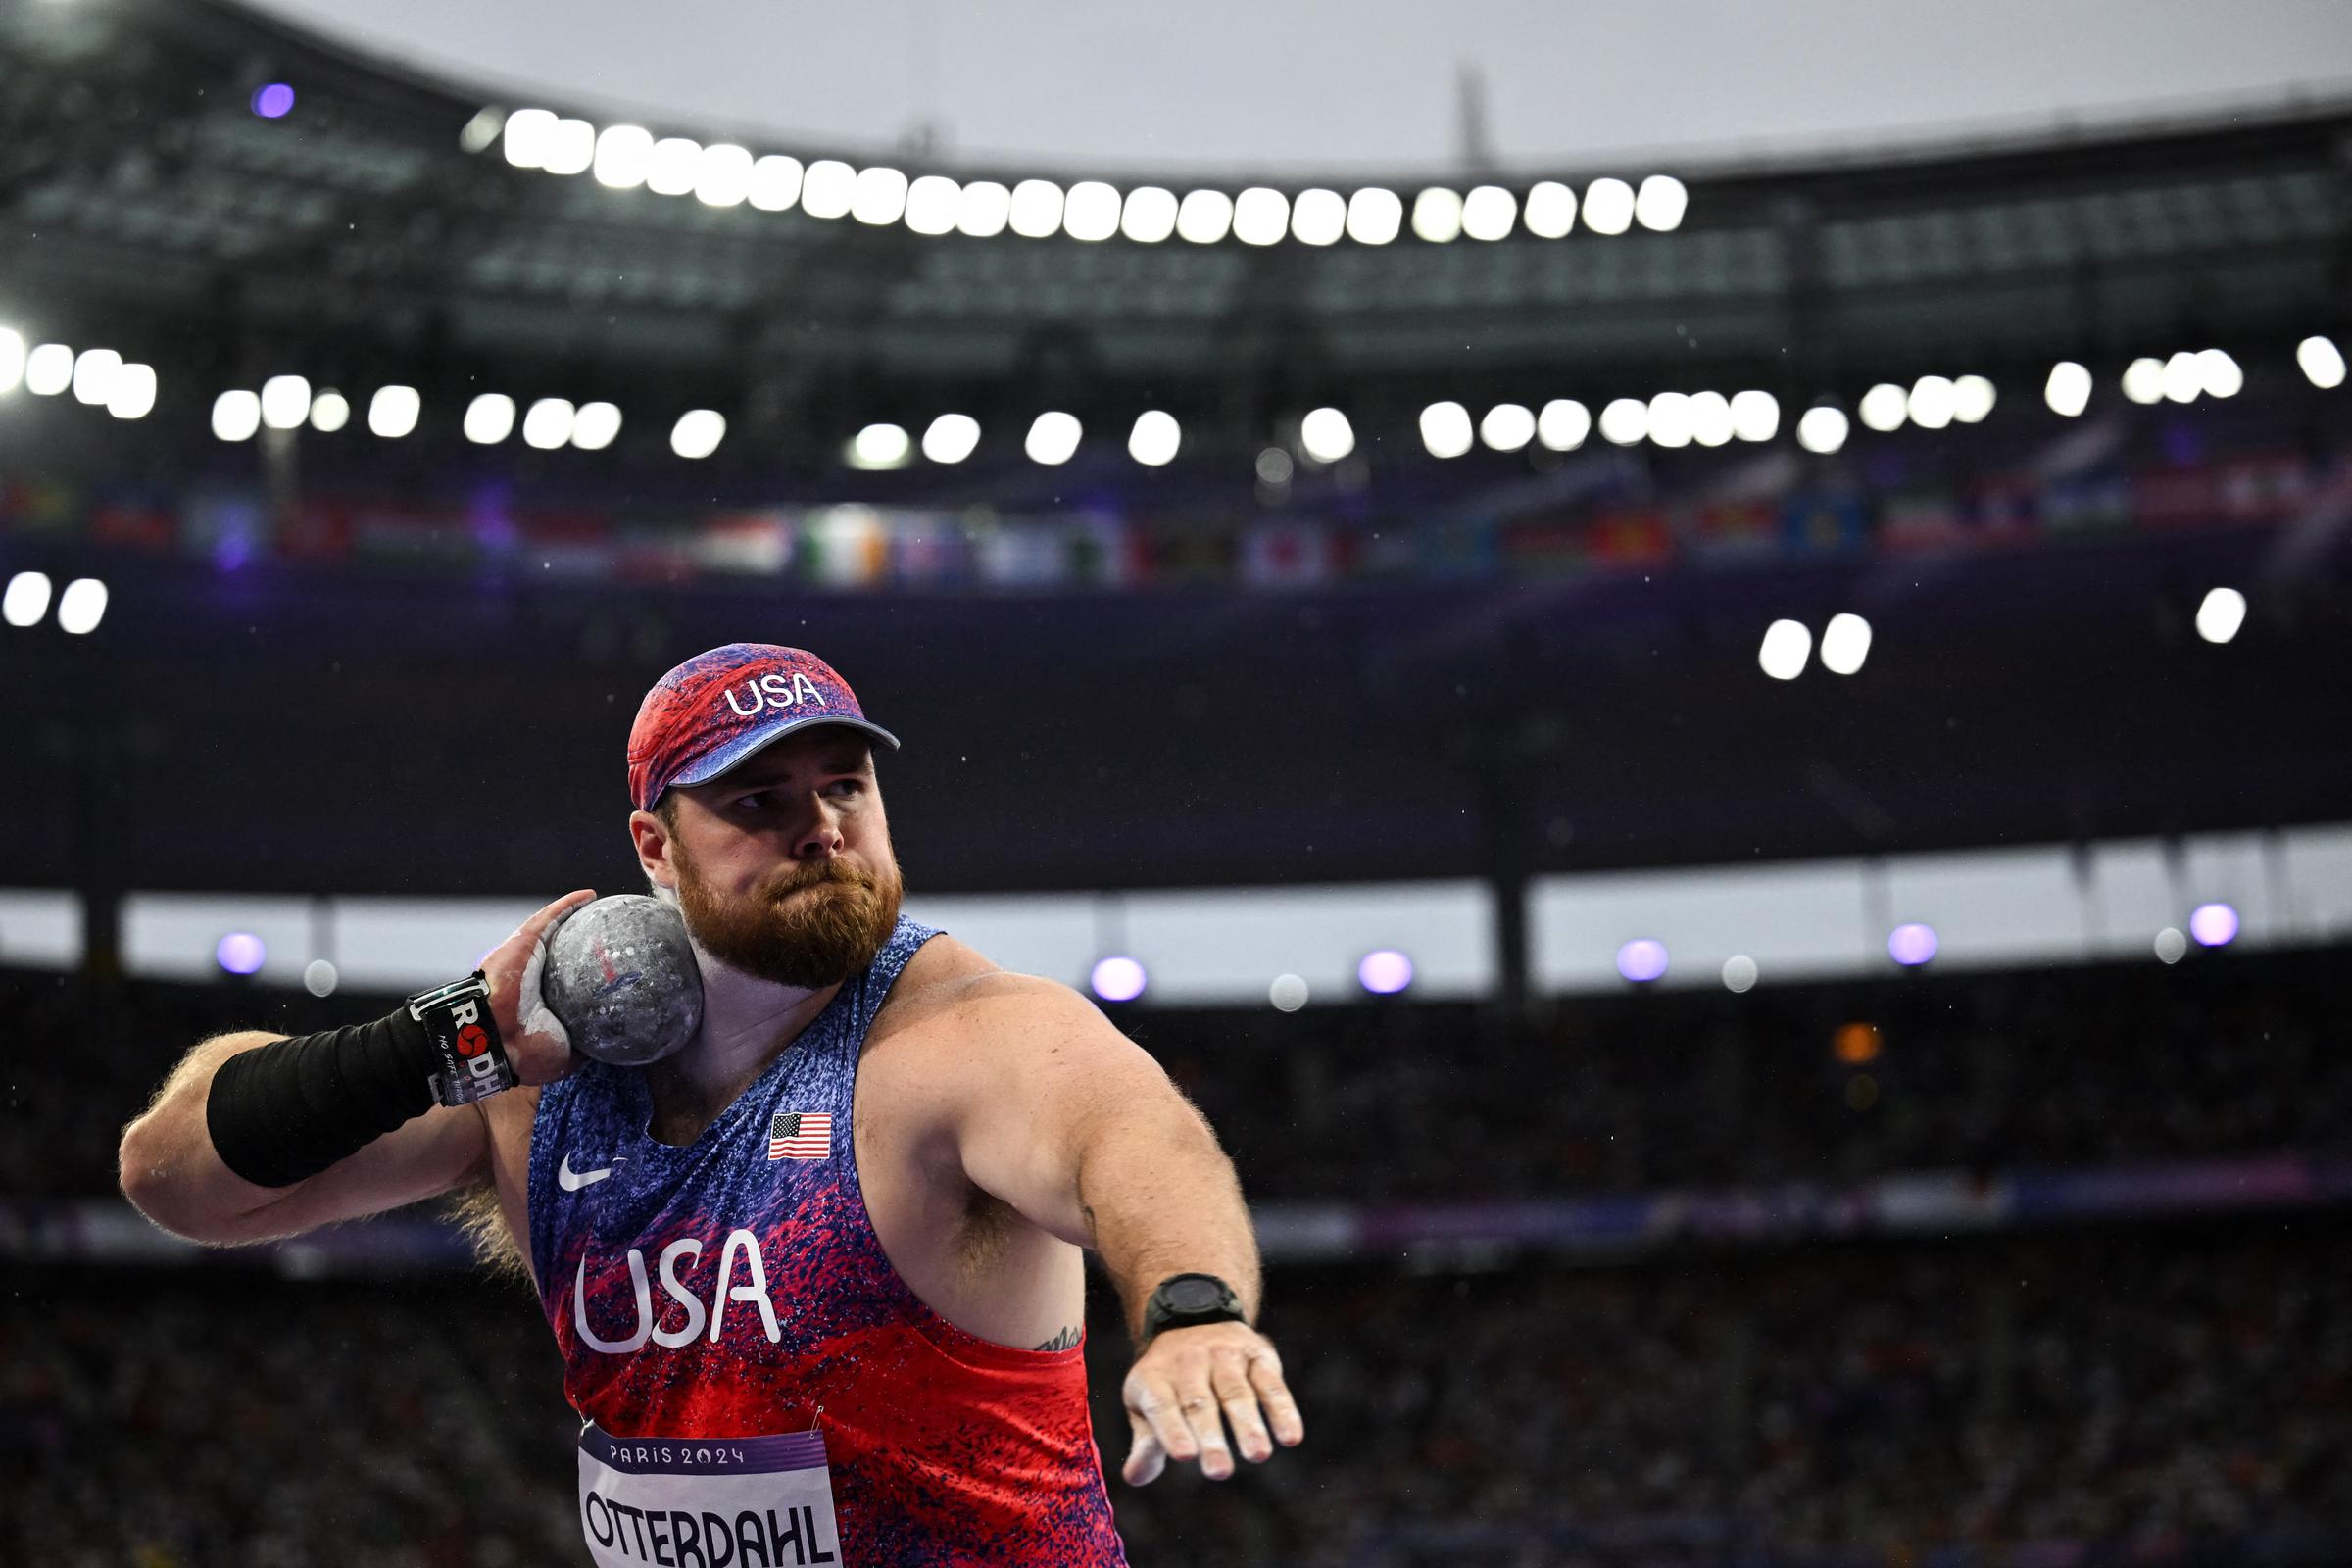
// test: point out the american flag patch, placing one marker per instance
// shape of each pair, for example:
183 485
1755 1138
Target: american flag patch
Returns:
800 1134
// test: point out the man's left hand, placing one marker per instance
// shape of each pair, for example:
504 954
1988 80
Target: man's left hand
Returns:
1189 1384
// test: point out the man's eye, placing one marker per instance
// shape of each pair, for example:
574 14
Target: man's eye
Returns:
753 802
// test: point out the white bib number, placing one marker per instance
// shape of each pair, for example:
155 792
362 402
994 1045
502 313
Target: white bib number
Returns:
720 1502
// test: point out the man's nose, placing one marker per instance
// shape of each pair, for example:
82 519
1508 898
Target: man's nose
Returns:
820 837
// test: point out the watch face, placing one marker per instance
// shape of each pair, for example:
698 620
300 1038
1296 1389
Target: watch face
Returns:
1193 1296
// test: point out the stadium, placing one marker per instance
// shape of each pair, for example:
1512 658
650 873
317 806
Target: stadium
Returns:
1729 779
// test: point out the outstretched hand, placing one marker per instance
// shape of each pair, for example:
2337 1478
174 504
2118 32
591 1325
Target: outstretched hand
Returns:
1189 1384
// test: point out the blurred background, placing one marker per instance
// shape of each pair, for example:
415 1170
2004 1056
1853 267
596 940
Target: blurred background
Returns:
1691 668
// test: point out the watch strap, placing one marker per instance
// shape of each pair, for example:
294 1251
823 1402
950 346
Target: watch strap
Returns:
456 1019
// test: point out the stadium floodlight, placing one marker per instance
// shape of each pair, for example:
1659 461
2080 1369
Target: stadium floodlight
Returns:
2143 380
81 607
571 148
624 156
319 977
1507 427
673 164
1053 438
1971 399
1641 960
1671 423
94 373
1821 429
2220 616
1261 215
2184 378
1205 217
881 446
1446 430
1438 214
527 133
1288 993
596 426
2219 373
272 100
1374 216
2068 390
1090 213
2321 363
1155 439
1036 209
697 433
775 183
133 392
1884 407
1625 422
1755 415
1661 203
1326 436
1385 973
330 410
1318 216
485 127
950 438
1845 644
1912 944
1550 212
489 418
828 187
392 411
878 198
1931 402
236 416
1563 424
1488 212
240 953
1608 206
12 359
2213 926
1739 972
286 402
26 600
933 203
985 208
1119 979
1711 423
547 423
48 370
2171 946
722 175
1786 647
1149 215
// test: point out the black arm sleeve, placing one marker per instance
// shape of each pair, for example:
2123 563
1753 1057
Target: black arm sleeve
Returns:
285 1112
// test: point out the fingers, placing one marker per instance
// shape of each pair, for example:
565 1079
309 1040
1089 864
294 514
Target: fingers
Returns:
1145 1457
1180 1409
1229 1378
536 926
1265 1376
1160 1431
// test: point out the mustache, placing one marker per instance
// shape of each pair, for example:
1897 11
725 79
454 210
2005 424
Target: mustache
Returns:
816 874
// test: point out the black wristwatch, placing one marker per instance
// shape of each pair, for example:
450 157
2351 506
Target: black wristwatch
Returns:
1188 1301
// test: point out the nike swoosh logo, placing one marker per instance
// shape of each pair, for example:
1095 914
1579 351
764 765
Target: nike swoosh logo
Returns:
571 1181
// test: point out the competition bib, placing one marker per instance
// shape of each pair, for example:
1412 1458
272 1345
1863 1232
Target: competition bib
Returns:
717 1502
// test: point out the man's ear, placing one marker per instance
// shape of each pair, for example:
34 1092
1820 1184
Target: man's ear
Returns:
651 837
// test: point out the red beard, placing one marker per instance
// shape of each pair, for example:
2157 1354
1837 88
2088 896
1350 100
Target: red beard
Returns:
812 926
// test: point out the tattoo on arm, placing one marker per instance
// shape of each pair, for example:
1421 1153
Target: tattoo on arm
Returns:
1066 1340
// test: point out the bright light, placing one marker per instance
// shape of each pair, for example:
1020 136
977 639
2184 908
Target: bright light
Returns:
1446 430
26 600
1845 644
1261 215
2171 946
392 411
1036 209
48 370
1911 944
1326 435
1119 979
1884 407
1318 216
673 166
2068 390
1488 212
1931 402
1670 421
1739 972
1090 212
1710 419
624 156
1149 215
330 410
987 208
1641 960
950 438
1625 422
236 416
571 148
1608 206
697 433
1550 209
775 183
1205 216
829 187
878 198
2213 926
240 953
320 978
1821 429
12 359
547 424
286 402
1288 993
2322 361
2143 380
1438 214
81 607
1971 399
596 426
489 418
1661 203
2184 378
528 134
133 394
275 101
1507 427
1053 438
724 177
1155 439
880 446
1786 646
94 373
1374 216
1385 973
481 130
2221 615
1755 415
2221 373
1563 424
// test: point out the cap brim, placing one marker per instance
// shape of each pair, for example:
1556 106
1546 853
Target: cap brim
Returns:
743 748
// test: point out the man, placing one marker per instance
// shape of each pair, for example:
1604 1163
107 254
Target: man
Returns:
840 1230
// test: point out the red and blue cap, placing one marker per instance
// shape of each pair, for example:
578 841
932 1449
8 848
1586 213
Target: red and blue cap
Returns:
718 709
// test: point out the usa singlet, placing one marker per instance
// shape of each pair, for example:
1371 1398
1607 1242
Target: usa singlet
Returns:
730 1298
